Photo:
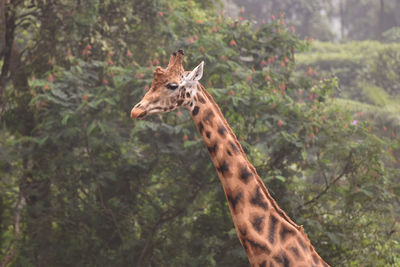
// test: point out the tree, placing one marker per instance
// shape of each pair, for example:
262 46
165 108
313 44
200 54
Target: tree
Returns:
308 18
363 20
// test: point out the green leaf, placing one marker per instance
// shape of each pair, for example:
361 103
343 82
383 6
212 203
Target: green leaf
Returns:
91 127
65 119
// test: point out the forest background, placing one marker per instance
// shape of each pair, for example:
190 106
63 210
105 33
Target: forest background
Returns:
311 88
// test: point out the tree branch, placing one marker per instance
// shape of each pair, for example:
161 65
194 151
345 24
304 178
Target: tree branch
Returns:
323 192
114 219
164 217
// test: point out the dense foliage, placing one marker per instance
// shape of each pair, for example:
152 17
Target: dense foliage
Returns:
84 185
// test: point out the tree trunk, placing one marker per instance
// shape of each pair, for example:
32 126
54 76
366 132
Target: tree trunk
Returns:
341 10
381 21
34 190
7 17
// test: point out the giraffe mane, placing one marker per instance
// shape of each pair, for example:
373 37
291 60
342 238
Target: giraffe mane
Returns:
253 169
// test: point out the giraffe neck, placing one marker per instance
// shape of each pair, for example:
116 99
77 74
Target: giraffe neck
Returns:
267 234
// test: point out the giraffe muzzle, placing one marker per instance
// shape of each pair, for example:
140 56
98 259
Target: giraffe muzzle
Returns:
138 113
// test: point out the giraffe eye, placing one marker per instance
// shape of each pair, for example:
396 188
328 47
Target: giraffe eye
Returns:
172 86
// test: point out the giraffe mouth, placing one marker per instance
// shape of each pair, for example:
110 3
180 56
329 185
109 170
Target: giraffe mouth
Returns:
142 115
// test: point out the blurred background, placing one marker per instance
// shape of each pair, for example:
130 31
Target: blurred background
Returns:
311 89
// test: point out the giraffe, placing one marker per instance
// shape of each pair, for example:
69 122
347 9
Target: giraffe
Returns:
268 235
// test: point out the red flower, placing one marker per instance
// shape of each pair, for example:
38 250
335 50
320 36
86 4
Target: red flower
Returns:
160 13
310 71
282 86
232 43
110 62
156 62
69 54
128 53
85 97
263 63
50 79
224 58
283 64
280 123
105 81
292 28
271 60
272 17
267 78
185 137
46 87
199 21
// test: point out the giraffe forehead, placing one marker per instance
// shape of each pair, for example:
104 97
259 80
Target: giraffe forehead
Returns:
162 77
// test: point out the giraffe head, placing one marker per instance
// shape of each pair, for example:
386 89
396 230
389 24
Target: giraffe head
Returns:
171 88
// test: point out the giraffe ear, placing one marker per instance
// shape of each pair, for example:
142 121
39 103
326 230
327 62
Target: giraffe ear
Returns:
196 74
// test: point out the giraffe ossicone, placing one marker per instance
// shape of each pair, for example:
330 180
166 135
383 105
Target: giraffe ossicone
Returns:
268 235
